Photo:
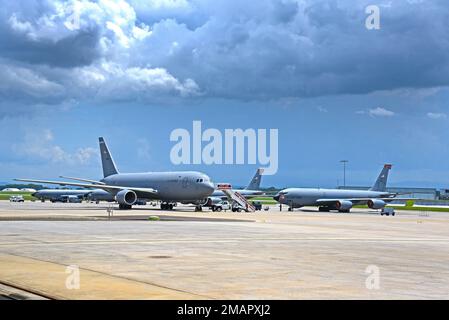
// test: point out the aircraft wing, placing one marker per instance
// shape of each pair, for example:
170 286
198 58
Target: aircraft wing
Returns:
108 188
82 180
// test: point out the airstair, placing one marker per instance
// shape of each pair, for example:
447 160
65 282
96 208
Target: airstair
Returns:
236 197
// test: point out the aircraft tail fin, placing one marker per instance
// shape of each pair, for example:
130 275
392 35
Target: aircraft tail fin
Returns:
107 162
255 182
381 182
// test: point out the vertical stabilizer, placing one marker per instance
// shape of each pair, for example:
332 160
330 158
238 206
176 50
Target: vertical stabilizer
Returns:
381 182
255 182
107 162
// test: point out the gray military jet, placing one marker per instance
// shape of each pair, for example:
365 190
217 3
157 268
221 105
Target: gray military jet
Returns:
188 187
339 199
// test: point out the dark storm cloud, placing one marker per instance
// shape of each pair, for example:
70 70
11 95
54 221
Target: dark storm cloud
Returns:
76 50
23 37
229 49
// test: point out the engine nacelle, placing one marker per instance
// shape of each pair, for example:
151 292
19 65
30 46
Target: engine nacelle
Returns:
376 204
127 197
343 205
202 202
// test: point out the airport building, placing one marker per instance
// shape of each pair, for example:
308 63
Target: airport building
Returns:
418 193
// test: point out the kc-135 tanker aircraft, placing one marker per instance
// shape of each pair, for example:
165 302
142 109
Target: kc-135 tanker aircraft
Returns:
168 187
340 199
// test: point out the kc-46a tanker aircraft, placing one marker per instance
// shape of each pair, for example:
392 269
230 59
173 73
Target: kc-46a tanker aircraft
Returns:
340 199
127 188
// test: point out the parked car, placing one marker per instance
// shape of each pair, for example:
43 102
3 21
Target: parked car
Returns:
16 198
387 211
222 205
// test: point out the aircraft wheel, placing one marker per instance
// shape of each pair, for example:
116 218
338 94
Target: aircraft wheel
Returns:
171 206
290 209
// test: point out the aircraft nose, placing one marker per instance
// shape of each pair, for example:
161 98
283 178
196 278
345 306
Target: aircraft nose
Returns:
277 197
209 187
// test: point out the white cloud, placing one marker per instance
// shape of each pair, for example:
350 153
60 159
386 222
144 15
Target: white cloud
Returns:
321 109
433 115
40 145
380 112
109 82
21 82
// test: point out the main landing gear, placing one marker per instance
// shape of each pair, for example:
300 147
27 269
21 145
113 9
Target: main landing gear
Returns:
124 206
198 208
323 209
166 206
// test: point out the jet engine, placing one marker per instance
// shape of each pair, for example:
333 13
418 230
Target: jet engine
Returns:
343 205
202 202
376 204
126 197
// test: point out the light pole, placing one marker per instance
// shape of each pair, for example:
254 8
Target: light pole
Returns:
344 171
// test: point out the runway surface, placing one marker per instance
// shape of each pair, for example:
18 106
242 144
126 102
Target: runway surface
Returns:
188 255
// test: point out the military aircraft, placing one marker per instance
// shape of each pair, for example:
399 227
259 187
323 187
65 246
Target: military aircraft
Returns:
339 199
60 195
250 191
127 188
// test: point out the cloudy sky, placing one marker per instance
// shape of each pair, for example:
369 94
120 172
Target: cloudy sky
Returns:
133 71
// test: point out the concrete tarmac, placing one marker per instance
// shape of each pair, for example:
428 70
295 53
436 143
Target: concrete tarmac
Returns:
186 255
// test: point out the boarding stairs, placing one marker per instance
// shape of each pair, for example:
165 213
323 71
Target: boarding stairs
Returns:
236 197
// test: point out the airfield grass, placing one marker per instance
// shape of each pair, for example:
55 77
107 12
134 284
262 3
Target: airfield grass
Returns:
411 207
26 195
264 200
